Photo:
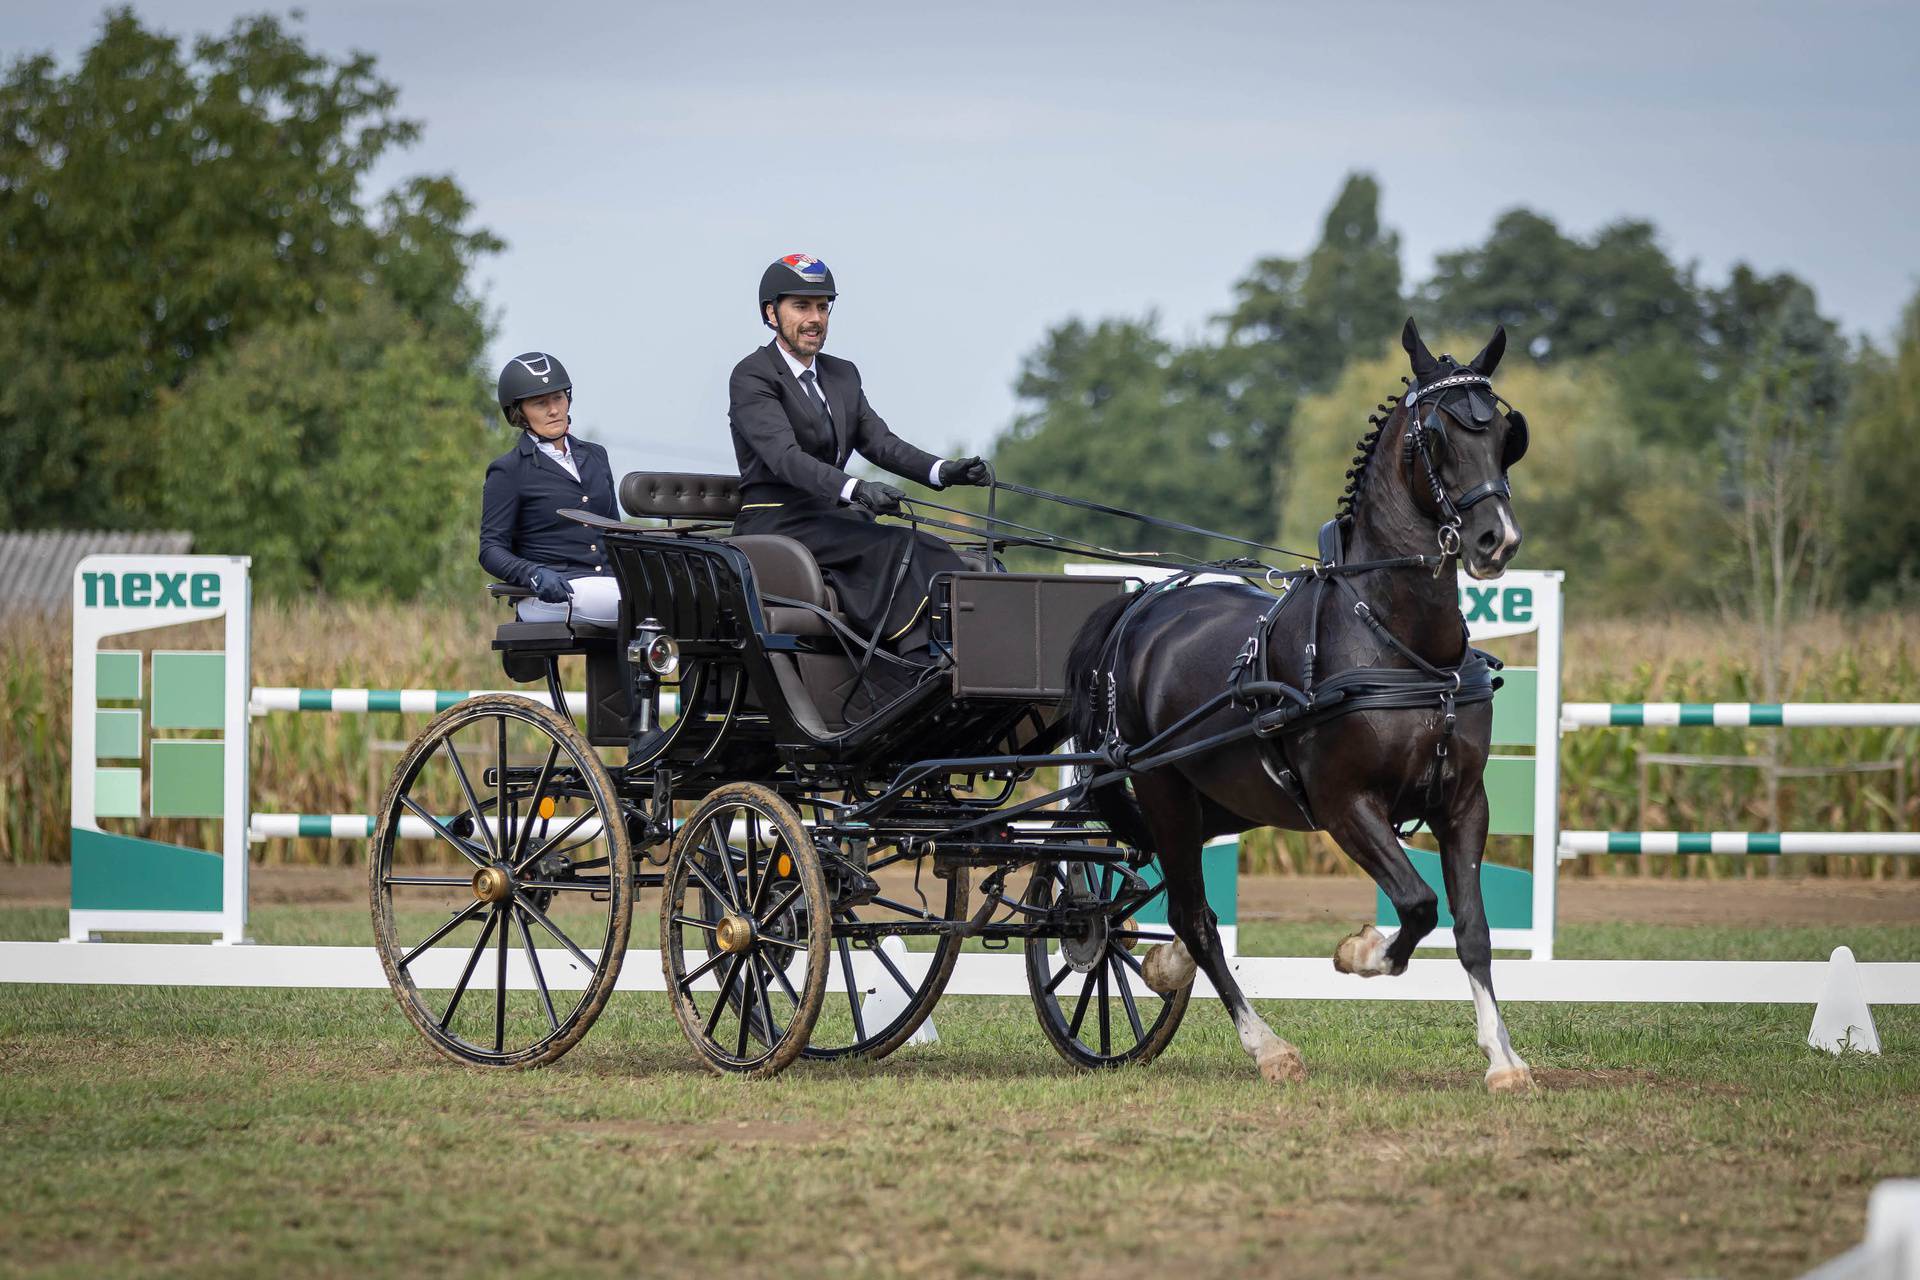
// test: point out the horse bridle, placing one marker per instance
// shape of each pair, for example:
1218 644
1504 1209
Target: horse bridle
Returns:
1421 432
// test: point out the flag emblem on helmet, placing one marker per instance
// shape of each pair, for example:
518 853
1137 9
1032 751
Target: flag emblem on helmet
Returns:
812 270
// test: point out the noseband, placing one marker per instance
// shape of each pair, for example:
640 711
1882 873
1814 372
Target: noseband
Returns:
1422 431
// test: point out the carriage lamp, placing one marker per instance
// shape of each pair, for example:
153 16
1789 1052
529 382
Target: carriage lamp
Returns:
654 649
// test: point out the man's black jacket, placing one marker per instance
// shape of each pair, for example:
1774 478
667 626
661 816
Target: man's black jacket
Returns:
787 449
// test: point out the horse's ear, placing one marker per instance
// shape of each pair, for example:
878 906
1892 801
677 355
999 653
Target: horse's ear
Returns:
1489 358
1424 364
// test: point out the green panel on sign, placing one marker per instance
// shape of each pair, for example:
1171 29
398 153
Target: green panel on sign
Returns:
116 793
116 676
189 690
1220 868
1509 782
187 778
116 735
121 873
1515 707
1506 891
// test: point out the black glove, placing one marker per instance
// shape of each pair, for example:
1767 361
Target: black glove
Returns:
881 499
551 585
965 471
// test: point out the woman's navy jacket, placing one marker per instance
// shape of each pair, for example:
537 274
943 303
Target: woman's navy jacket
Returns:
520 523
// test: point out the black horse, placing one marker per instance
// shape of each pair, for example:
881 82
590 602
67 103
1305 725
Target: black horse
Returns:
1429 477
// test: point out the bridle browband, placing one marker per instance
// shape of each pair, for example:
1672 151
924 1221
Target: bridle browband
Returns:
1420 433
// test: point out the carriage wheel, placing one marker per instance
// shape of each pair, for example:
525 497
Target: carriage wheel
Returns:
502 883
746 928
878 994
1085 984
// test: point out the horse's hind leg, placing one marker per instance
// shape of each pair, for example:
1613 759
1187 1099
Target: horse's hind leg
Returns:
1463 842
1362 829
1172 810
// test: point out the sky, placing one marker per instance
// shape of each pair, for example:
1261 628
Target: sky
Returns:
975 174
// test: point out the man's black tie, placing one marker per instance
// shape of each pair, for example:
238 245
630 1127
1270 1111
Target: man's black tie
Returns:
808 381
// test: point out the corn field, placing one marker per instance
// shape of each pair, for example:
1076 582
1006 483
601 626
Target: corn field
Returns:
316 763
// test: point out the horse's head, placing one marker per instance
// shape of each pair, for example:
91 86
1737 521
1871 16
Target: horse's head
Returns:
1460 440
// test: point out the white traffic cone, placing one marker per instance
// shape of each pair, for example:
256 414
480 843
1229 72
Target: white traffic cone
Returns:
1842 1021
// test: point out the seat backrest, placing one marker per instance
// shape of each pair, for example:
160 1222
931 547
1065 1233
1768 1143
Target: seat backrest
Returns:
782 567
680 495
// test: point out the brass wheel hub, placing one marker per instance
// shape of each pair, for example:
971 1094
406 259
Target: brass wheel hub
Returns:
492 884
733 933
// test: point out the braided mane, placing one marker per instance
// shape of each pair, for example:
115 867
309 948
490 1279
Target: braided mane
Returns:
1364 451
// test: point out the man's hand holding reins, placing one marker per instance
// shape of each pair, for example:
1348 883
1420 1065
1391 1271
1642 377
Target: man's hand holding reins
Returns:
965 471
881 499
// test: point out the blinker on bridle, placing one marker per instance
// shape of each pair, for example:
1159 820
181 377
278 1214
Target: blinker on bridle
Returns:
1421 431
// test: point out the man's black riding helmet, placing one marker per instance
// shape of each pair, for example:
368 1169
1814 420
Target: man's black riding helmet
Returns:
795 275
534 374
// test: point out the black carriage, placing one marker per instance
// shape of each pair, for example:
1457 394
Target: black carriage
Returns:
822 856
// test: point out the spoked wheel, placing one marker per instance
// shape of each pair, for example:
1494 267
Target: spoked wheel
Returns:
1086 983
879 989
746 928
502 883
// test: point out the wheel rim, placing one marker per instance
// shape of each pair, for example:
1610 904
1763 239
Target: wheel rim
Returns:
745 931
1086 988
501 885
879 990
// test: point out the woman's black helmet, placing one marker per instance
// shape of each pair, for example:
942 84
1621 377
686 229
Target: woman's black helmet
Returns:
534 374
795 275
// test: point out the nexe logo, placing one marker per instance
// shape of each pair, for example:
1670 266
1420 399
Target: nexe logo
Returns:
1497 604
151 590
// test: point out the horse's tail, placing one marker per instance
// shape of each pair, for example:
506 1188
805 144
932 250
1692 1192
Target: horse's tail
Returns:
1087 718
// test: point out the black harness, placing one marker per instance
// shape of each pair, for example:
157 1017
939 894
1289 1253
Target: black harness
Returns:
1280 709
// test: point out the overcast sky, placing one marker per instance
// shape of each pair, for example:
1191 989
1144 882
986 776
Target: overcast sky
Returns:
975 173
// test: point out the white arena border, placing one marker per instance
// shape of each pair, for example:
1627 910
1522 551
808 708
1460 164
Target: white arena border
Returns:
1261 977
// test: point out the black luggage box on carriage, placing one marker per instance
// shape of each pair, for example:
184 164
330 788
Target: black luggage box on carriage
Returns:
1011 631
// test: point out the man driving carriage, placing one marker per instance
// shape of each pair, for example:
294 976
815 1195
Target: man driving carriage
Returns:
798 415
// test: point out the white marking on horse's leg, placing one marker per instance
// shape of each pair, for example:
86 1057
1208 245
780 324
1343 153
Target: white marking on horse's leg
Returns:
1279 1062
1506 1073
1363 953
1168 967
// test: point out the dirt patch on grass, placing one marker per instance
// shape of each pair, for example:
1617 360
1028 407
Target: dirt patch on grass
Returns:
1345 899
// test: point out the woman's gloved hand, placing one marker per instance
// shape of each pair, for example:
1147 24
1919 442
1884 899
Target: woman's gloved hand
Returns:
881 499
551 585
965 471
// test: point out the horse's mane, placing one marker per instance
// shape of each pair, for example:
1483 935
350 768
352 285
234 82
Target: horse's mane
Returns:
1364 450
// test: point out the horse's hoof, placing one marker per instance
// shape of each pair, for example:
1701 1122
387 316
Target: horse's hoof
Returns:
1510 1080
1282 1064
1167 967
1359 953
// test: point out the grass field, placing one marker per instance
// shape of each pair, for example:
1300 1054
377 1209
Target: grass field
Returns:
239 1132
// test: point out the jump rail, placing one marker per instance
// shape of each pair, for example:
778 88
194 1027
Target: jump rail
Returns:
1751 843
1739 715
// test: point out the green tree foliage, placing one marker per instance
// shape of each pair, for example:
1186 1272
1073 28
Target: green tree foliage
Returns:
156 207
1115 412
1880 472
342 452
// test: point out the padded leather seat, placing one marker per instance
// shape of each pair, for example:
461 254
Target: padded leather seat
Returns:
680 495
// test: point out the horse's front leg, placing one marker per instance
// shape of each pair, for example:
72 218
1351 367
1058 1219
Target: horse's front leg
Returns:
1362 829
1463 842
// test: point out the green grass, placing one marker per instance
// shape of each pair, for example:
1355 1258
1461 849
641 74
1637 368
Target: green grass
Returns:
240 1132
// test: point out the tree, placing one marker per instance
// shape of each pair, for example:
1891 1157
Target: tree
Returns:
1782 452
156 207
1880 475
342 452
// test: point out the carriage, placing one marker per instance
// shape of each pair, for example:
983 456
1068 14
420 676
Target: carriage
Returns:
824 852
820 861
